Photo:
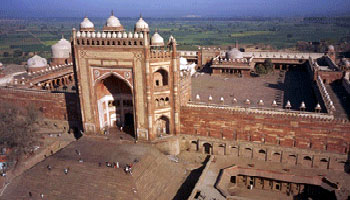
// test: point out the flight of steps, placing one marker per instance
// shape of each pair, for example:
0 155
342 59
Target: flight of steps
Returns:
154 175
157 177
84 181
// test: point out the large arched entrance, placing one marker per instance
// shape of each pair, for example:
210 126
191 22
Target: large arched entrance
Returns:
115 104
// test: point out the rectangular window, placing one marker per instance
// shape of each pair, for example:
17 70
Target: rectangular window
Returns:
233 179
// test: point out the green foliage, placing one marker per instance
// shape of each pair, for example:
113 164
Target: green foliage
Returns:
265 68
17 129
260 69
268 65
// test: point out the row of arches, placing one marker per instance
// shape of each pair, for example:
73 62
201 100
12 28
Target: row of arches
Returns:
108 42
162 102
269 155
58 82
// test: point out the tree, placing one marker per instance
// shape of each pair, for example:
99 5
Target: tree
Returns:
18 129
260 69
268 65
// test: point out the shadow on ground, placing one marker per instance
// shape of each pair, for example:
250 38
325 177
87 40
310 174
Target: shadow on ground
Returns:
186 188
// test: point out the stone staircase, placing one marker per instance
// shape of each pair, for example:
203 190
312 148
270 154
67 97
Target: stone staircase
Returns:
154 175
157 177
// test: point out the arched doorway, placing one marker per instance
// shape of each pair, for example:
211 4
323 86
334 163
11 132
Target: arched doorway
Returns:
160 78
115 104
162 126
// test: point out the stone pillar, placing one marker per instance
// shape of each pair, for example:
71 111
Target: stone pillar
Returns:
176 100
148 92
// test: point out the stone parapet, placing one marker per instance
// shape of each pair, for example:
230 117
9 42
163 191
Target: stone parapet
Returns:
262 110
325 96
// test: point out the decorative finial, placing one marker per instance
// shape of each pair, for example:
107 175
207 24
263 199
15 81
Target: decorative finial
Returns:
288 106
140 16
274 103
112 13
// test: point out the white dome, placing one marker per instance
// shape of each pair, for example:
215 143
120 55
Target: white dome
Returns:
113 21
234 54
0 64
86 23
36 61
157 39
62 49
141 24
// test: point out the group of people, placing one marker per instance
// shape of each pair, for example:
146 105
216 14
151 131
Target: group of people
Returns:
127 168
110 164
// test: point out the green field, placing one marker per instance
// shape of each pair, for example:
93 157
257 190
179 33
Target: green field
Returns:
39 34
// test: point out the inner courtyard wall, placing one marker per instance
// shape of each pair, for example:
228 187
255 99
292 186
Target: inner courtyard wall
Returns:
279 138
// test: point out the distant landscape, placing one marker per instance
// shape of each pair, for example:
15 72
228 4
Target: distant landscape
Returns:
21 38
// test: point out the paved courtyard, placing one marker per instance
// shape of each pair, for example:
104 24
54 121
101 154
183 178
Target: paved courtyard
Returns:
280 86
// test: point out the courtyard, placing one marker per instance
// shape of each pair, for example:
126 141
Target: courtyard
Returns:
281 86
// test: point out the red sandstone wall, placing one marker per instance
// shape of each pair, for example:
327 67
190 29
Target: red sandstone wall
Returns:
53 106
330 77
185 88
281 130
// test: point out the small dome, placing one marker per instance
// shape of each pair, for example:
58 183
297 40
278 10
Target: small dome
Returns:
157 40
330 48
141 24
86 23
113 22
234 54
62 49
36 61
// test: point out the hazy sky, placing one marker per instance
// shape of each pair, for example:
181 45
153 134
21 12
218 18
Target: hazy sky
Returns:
173 8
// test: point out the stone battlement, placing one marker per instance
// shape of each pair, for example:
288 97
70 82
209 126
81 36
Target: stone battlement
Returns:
218 60
325 96
26 78
111 38
283 55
